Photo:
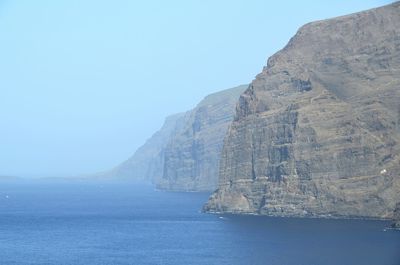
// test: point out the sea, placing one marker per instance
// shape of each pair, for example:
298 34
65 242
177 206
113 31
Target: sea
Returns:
120 222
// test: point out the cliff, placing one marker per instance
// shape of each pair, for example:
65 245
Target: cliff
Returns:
184 154
318 131
191 157
147 162
396 217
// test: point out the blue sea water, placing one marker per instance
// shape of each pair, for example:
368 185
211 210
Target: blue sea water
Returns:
77 222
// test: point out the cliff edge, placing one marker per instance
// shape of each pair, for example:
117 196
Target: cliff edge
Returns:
317 134
147 162
191 157
184 154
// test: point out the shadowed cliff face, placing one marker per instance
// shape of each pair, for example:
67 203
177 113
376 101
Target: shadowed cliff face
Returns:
318 131
191 157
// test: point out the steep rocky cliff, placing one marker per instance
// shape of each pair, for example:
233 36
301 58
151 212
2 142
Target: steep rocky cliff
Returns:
318 131
191 157
396 216
147 162
184 154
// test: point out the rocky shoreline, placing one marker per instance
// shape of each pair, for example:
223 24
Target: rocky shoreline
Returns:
396 223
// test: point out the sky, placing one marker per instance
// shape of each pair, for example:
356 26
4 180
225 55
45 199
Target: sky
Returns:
84 83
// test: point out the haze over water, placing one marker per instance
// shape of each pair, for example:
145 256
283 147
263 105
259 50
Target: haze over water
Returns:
64 222
84 83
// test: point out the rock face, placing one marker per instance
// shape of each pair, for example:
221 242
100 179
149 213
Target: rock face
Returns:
184 154
396 217
318 131
148 161
191 157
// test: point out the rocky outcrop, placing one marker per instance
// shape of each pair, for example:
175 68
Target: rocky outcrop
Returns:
191 157
396 216
318 131
147 163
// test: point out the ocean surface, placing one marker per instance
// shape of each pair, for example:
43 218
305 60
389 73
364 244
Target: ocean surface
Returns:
76 222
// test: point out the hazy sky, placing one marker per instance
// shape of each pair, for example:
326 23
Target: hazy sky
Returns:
84 83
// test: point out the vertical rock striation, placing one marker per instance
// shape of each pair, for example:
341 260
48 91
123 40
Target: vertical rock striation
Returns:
191 157
396 217
317 133
184 154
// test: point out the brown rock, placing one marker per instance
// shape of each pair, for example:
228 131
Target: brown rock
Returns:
318 131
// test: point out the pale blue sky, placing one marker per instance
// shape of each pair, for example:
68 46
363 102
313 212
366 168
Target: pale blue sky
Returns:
84 83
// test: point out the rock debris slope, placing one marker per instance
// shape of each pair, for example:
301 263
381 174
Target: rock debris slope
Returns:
318 131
